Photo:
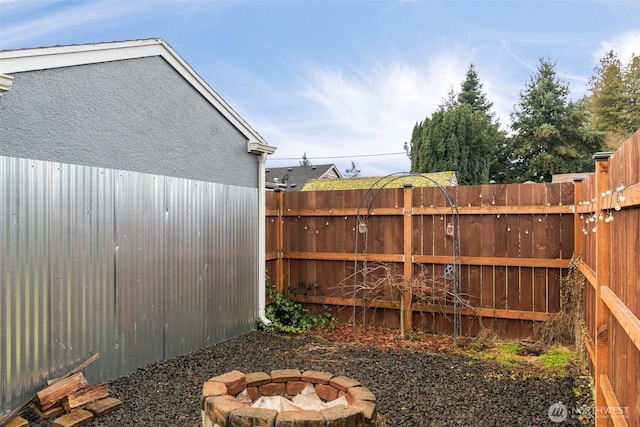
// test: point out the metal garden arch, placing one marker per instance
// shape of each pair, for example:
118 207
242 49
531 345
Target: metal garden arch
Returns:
361 227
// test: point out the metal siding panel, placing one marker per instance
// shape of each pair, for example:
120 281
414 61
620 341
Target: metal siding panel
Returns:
231 243
242 243
99 275
211 309
242 228
81 246
219 263
24 222
184 267
139 269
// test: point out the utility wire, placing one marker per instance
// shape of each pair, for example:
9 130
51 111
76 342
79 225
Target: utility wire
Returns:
339 157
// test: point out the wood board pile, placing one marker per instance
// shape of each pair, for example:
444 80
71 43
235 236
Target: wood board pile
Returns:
70 398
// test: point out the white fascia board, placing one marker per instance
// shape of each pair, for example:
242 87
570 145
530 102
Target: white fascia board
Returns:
42 58
23 60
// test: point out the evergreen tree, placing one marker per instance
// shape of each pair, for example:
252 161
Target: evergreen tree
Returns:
305 161
614 101
631 80
460 136
607 95
353 171
472 93
550 134
456 139
451 101
415 146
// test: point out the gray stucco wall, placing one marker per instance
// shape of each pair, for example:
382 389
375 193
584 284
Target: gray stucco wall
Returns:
137 115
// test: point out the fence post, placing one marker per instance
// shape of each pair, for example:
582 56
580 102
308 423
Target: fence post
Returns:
279 273
602 279
578 235
408 253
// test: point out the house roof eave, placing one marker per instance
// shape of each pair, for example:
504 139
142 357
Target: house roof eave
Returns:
23 60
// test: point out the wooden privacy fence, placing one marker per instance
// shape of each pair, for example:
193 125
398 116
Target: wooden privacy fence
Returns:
516 242
610 251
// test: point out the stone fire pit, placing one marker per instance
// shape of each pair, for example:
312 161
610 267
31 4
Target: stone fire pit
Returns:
221 407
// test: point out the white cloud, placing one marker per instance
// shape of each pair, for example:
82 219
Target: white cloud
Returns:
370 112
624 45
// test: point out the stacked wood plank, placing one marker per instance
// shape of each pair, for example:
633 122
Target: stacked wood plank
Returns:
79 400
70 398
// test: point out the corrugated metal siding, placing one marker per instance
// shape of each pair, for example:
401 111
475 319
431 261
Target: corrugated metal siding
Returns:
134 266
81 221
24 276
140 212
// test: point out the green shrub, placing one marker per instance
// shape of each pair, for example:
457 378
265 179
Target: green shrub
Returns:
290 316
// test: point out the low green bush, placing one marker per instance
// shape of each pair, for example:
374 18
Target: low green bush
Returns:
290 316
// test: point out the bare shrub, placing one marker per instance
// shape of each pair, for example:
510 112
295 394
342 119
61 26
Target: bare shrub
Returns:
387 282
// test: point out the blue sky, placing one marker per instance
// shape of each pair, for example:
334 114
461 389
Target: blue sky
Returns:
346 80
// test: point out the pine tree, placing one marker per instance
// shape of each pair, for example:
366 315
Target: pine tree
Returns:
305 161
460 136
631 84
614 100
353 171
550 132
607 95
472 93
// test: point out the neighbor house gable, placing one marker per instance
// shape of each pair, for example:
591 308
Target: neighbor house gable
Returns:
294 178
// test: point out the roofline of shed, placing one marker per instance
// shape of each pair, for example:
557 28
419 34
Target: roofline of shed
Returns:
42 58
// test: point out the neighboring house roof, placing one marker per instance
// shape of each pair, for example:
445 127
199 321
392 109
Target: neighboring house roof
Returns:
569 177
23 60
293 178
392 181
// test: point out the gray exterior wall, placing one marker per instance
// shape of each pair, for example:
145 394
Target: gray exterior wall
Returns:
137 115
136 267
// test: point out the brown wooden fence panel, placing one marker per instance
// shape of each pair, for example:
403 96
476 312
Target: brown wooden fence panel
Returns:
610 251
515 241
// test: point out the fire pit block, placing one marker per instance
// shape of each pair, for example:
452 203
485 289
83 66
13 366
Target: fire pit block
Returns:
235 381
300 419
368 409
285 375
272 389
343 416
344 383
218 409
212 388
326 392
252 417
361 393
256 379
295 387
316 377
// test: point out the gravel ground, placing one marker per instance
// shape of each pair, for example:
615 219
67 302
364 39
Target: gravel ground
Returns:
413 388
